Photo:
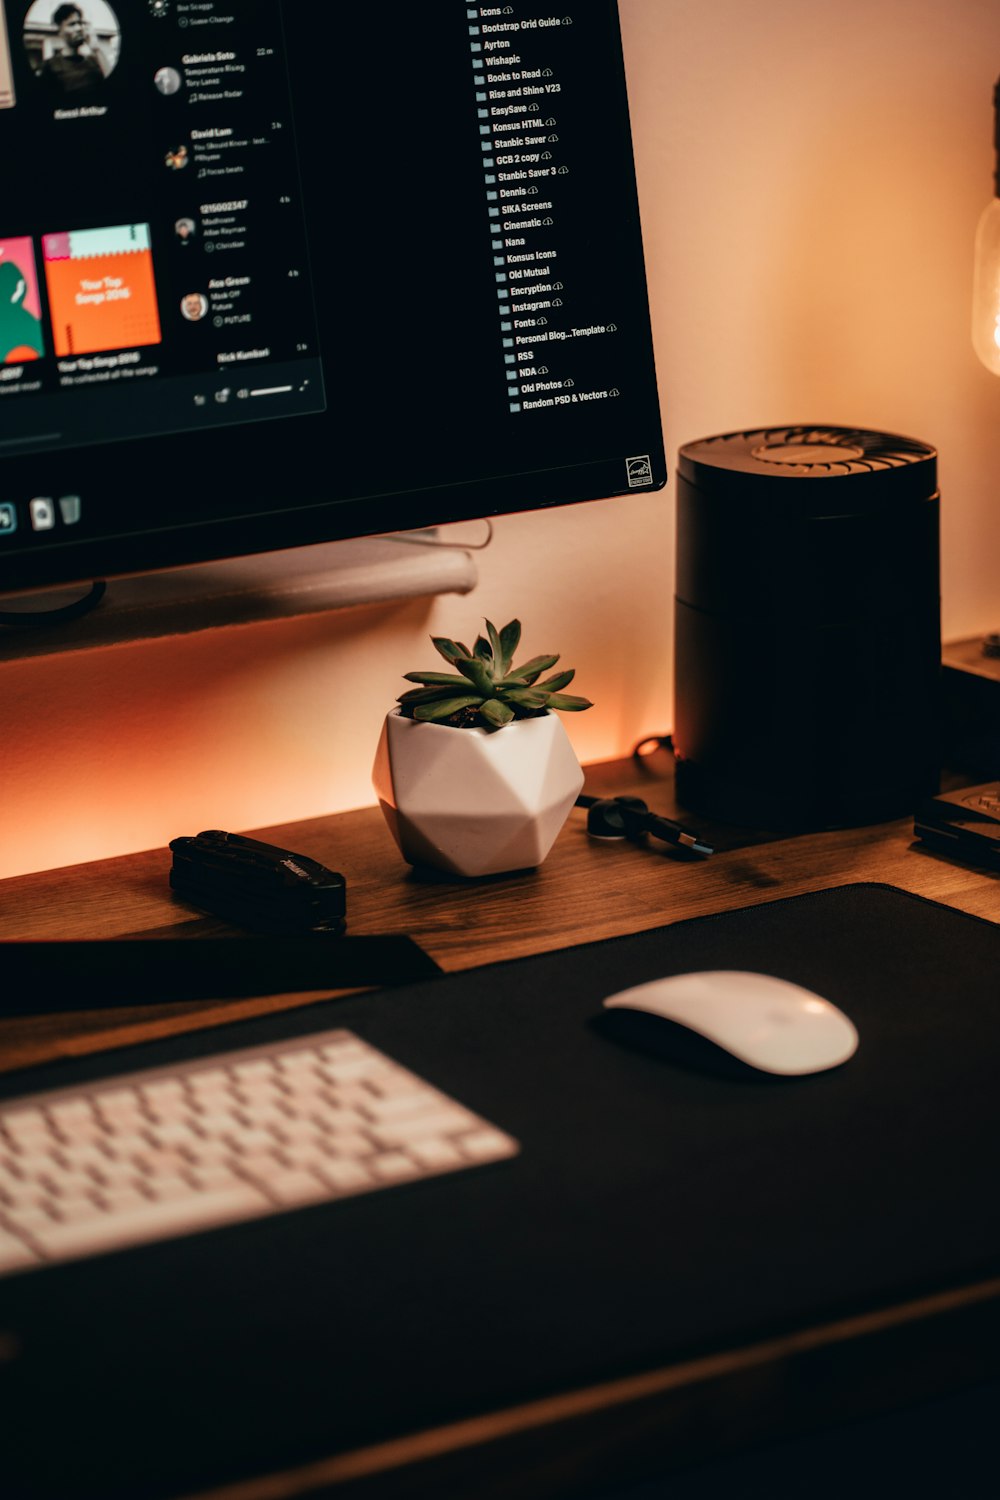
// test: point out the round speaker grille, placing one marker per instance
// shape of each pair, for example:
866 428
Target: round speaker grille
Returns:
810 451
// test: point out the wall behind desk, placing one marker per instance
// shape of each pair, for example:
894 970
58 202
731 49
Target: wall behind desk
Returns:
811 173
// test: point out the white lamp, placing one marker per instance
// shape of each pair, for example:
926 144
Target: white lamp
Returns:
986 280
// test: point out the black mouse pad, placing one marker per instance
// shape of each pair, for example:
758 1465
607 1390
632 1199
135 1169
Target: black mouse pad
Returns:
657 1210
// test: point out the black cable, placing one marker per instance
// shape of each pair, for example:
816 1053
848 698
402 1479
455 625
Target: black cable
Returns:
651 743
630 818
40 619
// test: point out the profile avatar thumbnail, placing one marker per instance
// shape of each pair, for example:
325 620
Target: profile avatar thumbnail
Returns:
194 306
20 308
167 80
72 49
102 292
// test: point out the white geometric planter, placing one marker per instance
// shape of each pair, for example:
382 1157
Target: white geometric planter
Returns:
474 802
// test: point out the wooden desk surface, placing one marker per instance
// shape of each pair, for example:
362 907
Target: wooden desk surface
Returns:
585 890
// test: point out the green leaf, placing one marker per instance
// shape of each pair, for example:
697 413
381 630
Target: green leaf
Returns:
532 669
527 697
496 650
426 695
510 637
568 703
559 680
482 650
477 673
439 679
450 650
444 710
496 713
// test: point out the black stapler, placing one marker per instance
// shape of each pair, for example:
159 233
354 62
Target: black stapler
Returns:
257 886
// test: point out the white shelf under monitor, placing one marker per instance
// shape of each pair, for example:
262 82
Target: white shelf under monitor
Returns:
267 586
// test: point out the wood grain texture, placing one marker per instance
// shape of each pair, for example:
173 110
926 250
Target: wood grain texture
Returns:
585 890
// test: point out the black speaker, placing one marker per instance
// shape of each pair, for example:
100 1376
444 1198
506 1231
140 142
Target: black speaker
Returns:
808 634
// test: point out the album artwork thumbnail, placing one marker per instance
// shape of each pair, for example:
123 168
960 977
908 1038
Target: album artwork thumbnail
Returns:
102 290
20 308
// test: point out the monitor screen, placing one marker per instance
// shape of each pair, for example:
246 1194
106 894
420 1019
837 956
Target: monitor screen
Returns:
274 274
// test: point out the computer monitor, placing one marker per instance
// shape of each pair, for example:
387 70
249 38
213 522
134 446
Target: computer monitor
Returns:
274 274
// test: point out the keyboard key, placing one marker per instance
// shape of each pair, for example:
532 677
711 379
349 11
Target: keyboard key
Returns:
307 1157
168 1185
21 1122
76 1157
76 1207
213 1177
394 1166
208 1078
484 1145
401 1102
110 1100
149 1220
348 1143
436 1153
178 1134
440 1121
166 1091
294 1188
345 1176
247 1142
26 1219
121 1198
70 1111
247 1072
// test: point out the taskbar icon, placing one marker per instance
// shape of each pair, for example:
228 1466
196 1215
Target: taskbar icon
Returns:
41 513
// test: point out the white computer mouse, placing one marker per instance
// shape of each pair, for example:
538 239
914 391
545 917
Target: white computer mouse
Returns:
769 1023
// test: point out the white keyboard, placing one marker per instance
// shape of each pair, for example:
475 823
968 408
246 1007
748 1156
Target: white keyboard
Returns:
167 1152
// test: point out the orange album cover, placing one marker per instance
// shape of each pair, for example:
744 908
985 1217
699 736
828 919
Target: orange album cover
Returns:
102 291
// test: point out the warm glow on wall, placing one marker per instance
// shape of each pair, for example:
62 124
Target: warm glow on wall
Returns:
810 177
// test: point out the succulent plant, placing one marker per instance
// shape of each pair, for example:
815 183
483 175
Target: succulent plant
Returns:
485 690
